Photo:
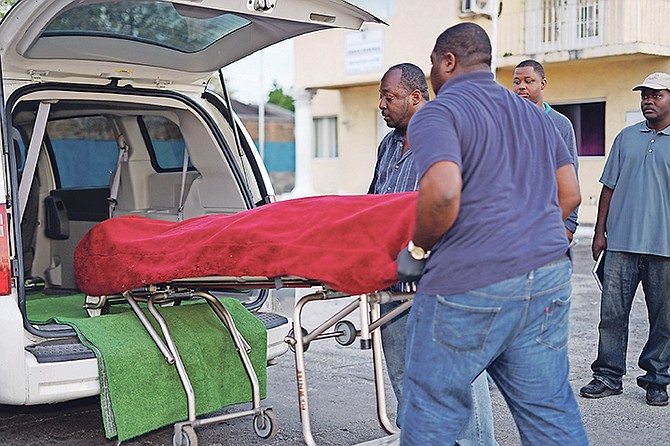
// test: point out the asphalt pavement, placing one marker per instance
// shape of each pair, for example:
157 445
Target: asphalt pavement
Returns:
341 393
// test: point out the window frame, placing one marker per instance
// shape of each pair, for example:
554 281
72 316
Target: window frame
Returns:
332 152
151 149
560 107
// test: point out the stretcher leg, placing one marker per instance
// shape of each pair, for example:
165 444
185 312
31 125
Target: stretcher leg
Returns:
378 367
301 378
264 421
148 327
364 312
371 321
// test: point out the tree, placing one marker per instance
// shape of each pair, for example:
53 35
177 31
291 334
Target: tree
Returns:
5 5
278 97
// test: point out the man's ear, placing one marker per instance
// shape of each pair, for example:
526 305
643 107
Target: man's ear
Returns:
449 62
543 84
415 96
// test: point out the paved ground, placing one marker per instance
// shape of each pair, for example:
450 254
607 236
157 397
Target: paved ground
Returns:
618 420
341 398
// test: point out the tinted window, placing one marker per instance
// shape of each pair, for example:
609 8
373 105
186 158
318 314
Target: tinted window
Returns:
186 29
166 143
588 119
84 151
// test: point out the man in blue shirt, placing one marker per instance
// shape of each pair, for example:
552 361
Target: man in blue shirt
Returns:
529 82
402 92
633 217
490 249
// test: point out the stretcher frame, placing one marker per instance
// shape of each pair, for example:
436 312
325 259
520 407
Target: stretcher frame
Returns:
264 420
371 321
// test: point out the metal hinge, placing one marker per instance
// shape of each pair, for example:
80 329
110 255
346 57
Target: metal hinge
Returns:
262 5
15 267
36 76
162 84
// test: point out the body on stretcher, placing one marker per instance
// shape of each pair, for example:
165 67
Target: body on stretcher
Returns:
304 242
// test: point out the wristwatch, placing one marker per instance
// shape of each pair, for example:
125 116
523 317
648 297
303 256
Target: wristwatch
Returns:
417 252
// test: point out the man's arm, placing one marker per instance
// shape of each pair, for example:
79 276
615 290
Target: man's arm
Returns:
569 196
599 240
438 203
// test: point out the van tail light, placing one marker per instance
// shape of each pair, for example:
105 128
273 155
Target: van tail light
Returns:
5 269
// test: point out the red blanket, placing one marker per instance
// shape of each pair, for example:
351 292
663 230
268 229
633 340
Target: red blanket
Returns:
350 243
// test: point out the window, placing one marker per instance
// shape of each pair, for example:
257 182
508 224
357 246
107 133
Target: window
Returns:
155 22
633 117
588 119
325 137
551 19
588 18
564 25
165 141
84 151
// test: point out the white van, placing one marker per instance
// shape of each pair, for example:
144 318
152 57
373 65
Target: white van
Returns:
100 98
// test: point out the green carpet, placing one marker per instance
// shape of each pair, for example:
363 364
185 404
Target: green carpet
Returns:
43 308
139 391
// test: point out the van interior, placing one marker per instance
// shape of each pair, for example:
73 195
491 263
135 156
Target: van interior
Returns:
107 153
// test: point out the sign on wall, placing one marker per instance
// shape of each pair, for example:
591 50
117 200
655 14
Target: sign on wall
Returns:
364 52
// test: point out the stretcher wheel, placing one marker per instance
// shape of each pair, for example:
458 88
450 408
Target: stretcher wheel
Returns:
95 300
348 330
188 437
265 425
305 345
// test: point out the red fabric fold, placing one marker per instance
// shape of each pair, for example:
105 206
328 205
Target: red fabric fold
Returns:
349 243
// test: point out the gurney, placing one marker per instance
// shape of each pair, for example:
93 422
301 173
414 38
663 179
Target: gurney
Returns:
344 245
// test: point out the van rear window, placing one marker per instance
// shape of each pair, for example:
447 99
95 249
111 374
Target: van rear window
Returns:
174 26
84 151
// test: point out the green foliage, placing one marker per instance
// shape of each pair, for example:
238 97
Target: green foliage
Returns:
278 97
5 5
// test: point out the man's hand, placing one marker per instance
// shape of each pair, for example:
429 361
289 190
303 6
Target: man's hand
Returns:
409 269
599 244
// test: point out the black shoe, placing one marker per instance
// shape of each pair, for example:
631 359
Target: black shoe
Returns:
657 395
598 389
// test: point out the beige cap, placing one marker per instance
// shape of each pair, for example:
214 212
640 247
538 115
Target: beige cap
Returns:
655 81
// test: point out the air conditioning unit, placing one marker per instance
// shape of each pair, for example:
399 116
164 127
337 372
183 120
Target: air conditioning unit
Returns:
483 7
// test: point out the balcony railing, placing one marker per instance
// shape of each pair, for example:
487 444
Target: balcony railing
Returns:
583 28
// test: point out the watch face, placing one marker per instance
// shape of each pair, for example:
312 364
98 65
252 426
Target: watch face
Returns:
418 252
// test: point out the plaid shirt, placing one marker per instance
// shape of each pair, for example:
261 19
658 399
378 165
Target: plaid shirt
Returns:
394 171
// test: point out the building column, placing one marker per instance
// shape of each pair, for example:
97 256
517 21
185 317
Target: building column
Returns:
304 146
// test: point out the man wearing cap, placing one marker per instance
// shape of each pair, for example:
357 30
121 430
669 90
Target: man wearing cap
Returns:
632 228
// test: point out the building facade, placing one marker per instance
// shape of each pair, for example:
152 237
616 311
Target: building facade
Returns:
593 51
278 146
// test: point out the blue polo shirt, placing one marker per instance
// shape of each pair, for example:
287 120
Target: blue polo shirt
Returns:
567 132
508 150
638 170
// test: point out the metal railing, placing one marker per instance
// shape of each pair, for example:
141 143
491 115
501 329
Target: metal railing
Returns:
590 28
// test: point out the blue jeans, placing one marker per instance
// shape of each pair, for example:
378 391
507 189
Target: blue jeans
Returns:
478 430
623 272
517 330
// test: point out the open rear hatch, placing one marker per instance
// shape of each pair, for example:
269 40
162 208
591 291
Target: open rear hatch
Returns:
152 41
